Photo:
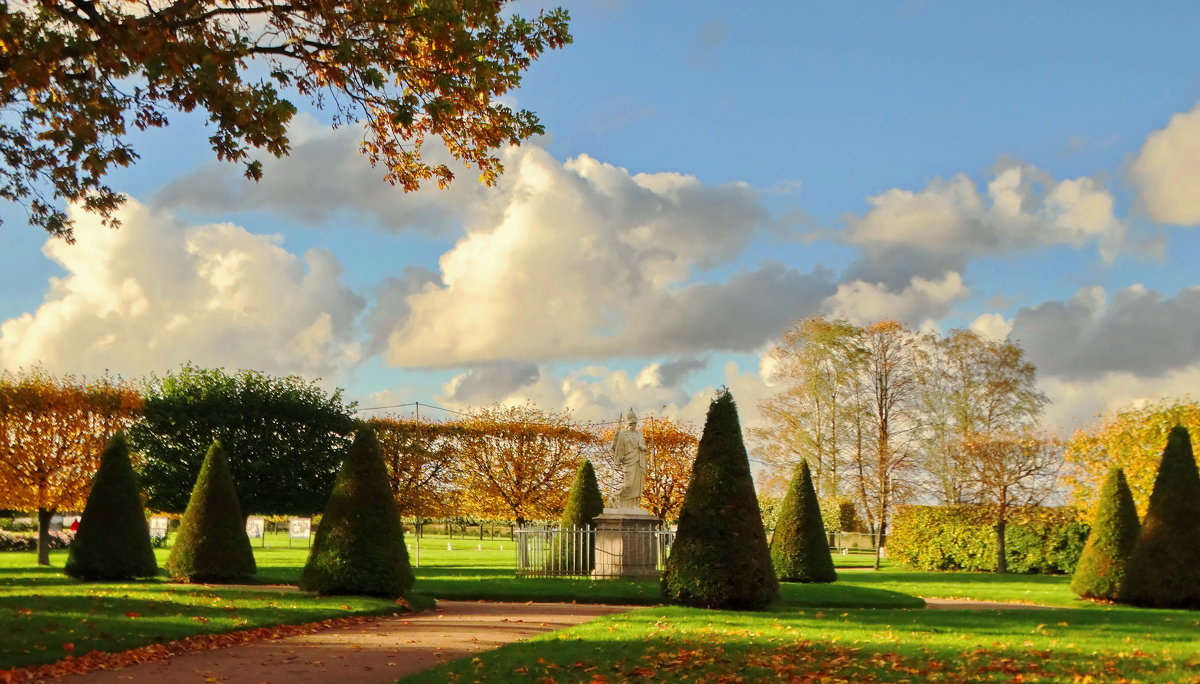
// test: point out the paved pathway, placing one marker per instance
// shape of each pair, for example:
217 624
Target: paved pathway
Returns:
380 651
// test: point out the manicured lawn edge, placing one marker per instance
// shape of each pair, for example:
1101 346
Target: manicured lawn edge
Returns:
103 660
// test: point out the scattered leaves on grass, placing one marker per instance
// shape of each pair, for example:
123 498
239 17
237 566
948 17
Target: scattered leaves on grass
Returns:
99 660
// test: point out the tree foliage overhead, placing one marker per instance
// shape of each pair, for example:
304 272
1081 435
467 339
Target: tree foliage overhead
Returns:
77 75
284 436
52 432
1130 438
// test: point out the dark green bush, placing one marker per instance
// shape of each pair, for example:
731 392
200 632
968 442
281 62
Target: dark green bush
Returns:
212 545
720 557
1164 568
113 539
359 546
1038 540
584 503
799 547
1101 569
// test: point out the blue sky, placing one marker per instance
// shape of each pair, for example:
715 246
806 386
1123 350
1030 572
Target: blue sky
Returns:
1031 170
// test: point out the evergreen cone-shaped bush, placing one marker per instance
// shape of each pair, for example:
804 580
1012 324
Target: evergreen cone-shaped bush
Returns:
799 547
584 503
720 557
1164 569
113 540
1101 568
212 545
359 547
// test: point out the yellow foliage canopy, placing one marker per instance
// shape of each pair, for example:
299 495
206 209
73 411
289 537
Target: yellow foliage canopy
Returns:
52 431
1132 438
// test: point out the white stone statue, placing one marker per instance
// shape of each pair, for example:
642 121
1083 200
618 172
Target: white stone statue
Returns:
629 454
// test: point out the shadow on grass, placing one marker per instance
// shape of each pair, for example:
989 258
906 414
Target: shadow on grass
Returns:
674 644
838 595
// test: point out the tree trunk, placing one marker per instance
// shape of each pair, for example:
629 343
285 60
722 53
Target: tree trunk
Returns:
879 543
1001 556
43 548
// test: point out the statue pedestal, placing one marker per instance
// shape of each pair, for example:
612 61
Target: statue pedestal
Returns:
626 543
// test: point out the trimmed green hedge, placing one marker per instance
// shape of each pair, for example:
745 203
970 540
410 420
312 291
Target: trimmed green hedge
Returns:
1038 540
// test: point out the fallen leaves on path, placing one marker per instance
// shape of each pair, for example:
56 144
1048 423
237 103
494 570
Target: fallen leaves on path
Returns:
100 660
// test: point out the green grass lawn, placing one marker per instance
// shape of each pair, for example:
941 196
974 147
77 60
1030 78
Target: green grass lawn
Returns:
46 616
814 628
668 644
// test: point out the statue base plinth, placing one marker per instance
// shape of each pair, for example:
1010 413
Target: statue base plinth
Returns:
626 543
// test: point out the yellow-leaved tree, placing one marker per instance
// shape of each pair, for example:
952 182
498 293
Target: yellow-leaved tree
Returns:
1131 438
52 431
517 462
419 455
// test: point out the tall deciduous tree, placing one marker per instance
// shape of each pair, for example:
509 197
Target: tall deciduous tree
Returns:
1010 471
419 455
971 386
76 74
52 432
881 472
285 438
516 462
818 361
1130 438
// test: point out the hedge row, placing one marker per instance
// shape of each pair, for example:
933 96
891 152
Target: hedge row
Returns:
1038 540
21 541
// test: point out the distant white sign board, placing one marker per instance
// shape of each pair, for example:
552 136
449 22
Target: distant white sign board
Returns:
300 528
254 527
158 526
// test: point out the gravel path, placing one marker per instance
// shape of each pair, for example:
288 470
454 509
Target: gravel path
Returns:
381 651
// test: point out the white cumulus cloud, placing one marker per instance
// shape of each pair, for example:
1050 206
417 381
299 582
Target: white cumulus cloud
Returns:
583 260
923 299
941 228
157 292
1166 171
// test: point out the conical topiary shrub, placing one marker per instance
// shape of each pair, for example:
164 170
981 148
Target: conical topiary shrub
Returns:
359 547
212 545
799 547
1101 568
1164 568
113 539
569 553
720 557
